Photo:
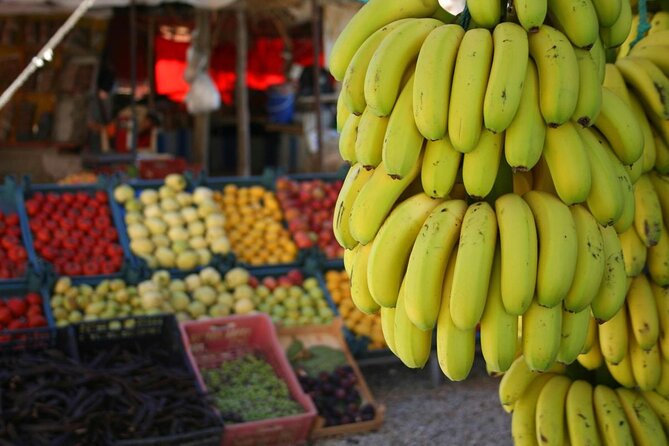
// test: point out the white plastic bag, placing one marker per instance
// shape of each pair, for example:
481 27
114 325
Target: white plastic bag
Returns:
203 96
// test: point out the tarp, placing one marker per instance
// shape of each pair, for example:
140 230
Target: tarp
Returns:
45 6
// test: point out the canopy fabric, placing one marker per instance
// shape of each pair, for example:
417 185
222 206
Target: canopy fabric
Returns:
46 6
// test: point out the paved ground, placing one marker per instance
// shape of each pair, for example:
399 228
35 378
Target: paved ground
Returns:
418 412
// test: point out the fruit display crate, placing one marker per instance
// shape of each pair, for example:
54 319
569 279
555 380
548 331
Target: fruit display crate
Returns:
11 202
331 336
33 285
28 190
211 342
143 333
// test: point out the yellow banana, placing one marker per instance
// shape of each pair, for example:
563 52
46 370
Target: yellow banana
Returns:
441 164
613 337
660 37
642 311
369 143
663 386
514 382
568 163
574 334
580 415
522 182
558 246
392 247
661 296
649 151
645 425
476 251
558 74
519 252
359 289
617 33
342 113
625 47
599 56
499 329
646 365
347 139
648 220
634 252
590 90
507 75
348 261
608 12
432 86
486 13
658 259
523 421
622 372
612 291
614 428
614 81
550 414
472 69
412 344
374 15
661 186
398 50
353 85
356 178
427 263
626 219
542 333
455 347
648 81
661 153
524 138
531 13
593 359
577 20
388 328
591 337
660 22
484 158
402 143
541 177
375 200
620 127
589 262
660 405
654 53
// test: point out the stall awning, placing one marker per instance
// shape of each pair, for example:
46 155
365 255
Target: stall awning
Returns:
45 6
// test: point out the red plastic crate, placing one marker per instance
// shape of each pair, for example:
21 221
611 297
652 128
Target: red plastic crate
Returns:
210 342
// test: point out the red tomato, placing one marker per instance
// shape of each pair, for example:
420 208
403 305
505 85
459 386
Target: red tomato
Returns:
17 306
101 196
12 219
5 316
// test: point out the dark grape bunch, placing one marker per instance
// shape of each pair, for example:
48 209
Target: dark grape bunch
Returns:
336 396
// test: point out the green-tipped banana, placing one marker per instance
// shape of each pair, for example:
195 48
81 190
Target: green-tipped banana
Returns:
542 334
486 13
617 122
616 34
590 89
599 56
577 19
441 165
612 291
649 150
607 11
568 163
574 334
614 81
355 179
531 13
484 158
580 415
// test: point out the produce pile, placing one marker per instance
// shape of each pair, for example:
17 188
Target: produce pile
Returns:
75 232
171 227
79 178
361 324
253 224
13 256
308 207
19 312
505 176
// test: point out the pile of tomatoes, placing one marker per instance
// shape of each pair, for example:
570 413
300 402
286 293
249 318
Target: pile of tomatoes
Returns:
13 255
17 313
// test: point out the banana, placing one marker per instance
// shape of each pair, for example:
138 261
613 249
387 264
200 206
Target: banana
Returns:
347 139
589 92
392 247
635 170
580 415
577 20
660 22
646 365
542 333
484 158
374 202
660 37
455 348
432 86
531 13
369 143
593 359
470 78
356 178
476 251
372 16
626 219
486 13
568 163
591 337
342 113
441 164
661 153
608 12
558 247
660 405
654 53
605 200
623 372
523 421
625 47
412 344
648 220
388 328
614 81
522 182
614 428
645 424
427 263
519 248
402 143
574 334
514 382
649 151
634 252
541 177
598 53
550 412
558 74
658 259
661 296
663 386
642 310
589 263
398 50
499 329
612 291
648 81
348 261
524 138
359 290
507 76
617 33
353 85
613 337
620 127
661 185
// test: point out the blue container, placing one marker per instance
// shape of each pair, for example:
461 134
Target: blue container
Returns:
280 106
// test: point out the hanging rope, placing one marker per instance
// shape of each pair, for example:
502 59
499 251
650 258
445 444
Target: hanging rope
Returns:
644 24
46 53
464 18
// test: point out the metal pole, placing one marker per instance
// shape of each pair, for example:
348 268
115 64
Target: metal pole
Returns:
150 59
133 77
242 96
202 127
316 38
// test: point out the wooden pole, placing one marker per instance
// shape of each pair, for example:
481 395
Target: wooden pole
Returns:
242 96
316 38
201 128
150 60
